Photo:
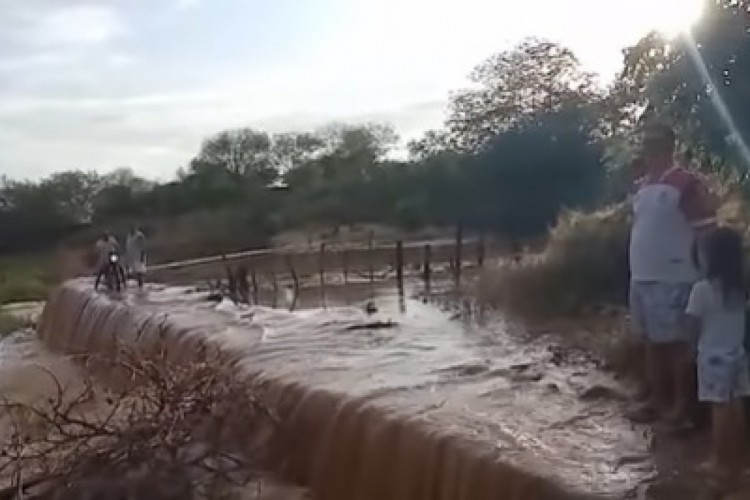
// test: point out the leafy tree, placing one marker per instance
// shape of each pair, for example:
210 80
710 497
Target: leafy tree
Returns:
701 84
244 151
535 76
73 192
525 176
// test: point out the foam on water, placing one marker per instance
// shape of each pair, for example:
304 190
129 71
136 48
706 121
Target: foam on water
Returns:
428 408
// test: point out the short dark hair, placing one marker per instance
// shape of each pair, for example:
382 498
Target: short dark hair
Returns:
659 137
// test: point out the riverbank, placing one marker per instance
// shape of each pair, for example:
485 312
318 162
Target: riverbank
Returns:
539 400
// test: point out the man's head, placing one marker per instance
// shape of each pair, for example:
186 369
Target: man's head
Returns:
658 146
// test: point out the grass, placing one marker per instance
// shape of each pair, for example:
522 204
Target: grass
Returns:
26 277
10 324
584 265
585 262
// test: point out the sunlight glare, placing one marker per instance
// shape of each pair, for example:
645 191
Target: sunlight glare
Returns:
673 17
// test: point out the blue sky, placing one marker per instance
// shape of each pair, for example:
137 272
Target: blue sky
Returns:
98 84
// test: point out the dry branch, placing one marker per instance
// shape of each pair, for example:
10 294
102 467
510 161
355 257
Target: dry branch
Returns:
191 428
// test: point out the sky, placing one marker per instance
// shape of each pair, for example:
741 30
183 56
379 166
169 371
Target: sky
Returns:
101 84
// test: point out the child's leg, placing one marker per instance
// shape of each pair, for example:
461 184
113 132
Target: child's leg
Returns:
727 443
722 382
658 370
739 436
682 377
722 420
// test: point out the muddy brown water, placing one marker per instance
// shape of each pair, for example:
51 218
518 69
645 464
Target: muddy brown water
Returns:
438 406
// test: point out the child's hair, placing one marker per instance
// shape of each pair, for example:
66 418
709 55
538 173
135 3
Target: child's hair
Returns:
725 264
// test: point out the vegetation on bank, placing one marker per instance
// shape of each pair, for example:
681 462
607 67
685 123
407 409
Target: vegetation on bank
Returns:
534 137
584 266
166 431
9 324
27 277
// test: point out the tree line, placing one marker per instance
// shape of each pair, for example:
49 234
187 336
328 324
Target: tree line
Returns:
533 135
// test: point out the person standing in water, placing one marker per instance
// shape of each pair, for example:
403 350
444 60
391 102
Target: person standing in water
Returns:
135 250
716 315
672 209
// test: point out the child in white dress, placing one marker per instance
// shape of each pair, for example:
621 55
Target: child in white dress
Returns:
716 313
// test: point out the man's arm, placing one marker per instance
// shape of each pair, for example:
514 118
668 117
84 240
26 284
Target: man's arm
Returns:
699 205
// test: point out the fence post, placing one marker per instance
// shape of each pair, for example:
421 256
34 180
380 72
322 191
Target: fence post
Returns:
459 249
427 273
254 283
345 264
400 263
322 270
370 256
295 281
275 288
481 250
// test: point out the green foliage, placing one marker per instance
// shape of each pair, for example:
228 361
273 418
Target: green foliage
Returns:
700 82
9 324
535 77
585 264
513 153
26 278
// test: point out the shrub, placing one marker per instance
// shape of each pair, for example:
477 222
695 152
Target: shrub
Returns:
169 430
10 323
584 264
22 289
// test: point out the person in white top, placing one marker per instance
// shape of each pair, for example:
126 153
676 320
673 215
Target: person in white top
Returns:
135 252
671 209
716 315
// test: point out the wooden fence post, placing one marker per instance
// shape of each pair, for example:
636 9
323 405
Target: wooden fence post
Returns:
370 256
400 263
274 288
322 270
459 249
295 281
427 273
345 264
481 250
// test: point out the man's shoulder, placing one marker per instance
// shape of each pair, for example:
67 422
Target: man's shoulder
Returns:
682 178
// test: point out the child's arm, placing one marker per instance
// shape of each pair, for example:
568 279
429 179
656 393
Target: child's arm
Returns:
695 309
692 325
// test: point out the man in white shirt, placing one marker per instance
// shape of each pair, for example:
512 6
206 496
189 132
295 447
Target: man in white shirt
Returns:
671 209
135 251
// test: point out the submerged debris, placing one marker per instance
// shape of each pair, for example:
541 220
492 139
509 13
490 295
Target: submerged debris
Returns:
374 325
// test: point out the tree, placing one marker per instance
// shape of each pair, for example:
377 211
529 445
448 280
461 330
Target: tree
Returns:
432 143
292 149
240 151
703 88
534 76
627 98
520 182
74 193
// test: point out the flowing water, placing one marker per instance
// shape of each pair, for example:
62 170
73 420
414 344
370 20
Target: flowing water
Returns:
413 401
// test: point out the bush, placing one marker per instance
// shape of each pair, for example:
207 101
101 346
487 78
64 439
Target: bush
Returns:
20 289
10 323
168 431
584 264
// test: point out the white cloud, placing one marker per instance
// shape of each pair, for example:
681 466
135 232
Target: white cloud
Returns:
40 60
75 25
186 4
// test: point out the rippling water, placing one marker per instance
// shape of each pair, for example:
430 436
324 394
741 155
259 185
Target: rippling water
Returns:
509 394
